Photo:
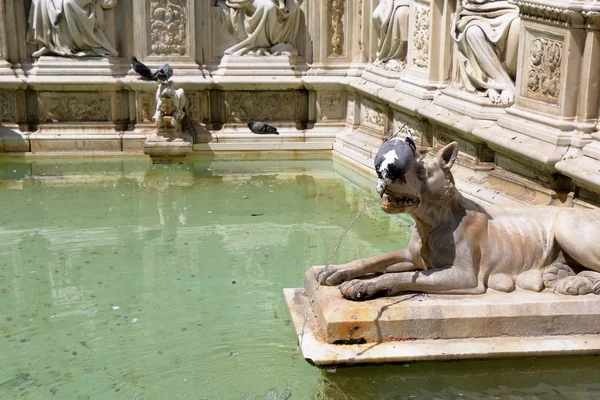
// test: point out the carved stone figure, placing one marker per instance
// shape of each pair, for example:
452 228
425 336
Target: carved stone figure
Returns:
390 20
263 27
72 28
459 246
486 35
170 102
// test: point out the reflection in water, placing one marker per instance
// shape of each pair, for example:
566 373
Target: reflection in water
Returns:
123 280
543 378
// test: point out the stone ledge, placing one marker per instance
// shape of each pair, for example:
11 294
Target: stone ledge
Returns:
315 348
420 316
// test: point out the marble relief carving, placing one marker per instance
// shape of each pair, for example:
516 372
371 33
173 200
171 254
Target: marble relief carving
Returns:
261 106
330 105
336 14
262 27
192 106
420 57
56 107
486 37
390 20
545 58
372 115
350 111
71 28
6 107
168 27
147 105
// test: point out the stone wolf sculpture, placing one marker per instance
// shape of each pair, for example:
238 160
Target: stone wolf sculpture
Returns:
459 246
169 102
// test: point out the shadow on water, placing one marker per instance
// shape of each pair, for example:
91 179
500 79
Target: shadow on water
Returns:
530 378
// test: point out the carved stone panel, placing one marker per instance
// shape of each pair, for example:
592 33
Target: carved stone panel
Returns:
193 106
373 115
7 112
336 27
167 27
330 105
545 59
260 106
74 107
401 123
420 55
145 107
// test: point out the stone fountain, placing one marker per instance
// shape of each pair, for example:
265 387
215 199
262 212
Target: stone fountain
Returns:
170 144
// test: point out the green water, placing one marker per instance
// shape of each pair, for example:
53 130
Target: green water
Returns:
120 280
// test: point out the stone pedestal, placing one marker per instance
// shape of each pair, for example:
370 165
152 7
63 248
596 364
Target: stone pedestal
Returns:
169 145
418 326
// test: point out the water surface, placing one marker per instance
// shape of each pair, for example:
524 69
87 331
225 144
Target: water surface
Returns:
123 280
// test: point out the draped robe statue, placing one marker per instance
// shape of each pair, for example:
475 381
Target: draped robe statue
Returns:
72 28
486 36
390 20
263 27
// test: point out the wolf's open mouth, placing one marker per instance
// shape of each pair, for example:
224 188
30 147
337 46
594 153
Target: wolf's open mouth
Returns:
400 200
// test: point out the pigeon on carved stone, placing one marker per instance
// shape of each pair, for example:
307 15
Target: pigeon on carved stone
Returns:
262 128
141 69
394 158
163 73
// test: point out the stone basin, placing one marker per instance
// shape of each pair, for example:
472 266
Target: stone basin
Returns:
419 326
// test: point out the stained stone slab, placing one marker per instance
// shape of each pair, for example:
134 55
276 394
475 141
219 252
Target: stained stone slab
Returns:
441 327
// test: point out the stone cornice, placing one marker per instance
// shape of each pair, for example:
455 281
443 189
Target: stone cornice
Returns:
574 14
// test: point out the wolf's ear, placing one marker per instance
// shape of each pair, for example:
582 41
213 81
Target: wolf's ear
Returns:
447 155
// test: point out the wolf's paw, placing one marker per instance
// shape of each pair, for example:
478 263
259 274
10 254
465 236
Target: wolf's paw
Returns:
332 275
594 277
556 272
358 289
573 285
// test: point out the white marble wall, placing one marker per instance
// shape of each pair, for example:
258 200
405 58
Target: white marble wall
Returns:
543 147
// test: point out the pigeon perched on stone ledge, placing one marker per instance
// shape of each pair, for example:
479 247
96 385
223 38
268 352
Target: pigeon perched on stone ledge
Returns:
141 69
262 128
394 159
163 73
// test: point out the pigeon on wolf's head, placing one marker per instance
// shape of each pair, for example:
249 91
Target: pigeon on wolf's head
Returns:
163 73
262 128
141 69
394 159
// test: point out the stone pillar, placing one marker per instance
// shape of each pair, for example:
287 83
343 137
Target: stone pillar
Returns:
551 56
337 30
165 31
429 57
556 96
583 170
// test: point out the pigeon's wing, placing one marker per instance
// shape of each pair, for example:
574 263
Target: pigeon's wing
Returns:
164 72
385 148
256 127
270 129
169 71
411 143
141 69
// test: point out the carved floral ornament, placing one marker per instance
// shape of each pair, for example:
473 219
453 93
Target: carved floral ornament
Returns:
336 12
331 106
544 73
168 27
420 56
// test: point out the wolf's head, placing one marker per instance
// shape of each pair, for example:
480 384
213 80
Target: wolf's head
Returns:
428 183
